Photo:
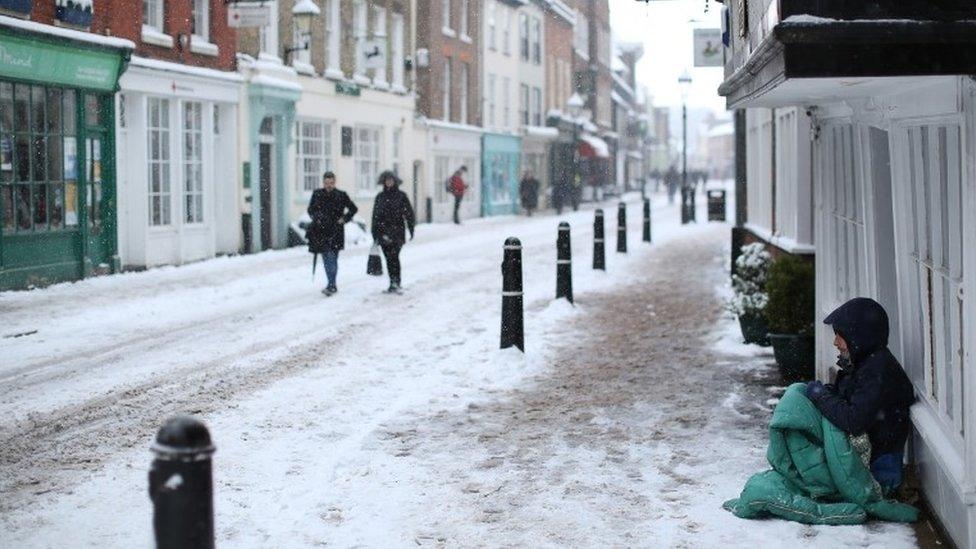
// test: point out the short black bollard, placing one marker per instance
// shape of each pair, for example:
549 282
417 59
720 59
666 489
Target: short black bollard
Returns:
647 220
564 264
599 250
622 228
181 485
513 330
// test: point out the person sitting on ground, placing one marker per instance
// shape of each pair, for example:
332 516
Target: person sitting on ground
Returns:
872 394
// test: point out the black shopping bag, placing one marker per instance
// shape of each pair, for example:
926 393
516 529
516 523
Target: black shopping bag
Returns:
375 264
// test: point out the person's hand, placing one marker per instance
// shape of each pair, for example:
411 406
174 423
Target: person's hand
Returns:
341 222
815 390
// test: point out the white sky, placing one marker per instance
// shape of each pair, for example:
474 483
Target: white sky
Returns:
665 29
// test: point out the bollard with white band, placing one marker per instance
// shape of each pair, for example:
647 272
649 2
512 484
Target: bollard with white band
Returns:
513 330
564 264
599 248
647 220
622 228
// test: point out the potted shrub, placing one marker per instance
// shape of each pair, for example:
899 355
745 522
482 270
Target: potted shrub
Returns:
749 292
790 315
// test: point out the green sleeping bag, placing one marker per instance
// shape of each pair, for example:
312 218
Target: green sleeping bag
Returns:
819 474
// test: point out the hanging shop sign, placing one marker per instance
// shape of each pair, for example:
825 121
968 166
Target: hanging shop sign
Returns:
248 14
708 48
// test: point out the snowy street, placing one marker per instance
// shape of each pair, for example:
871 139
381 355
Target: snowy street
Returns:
377 420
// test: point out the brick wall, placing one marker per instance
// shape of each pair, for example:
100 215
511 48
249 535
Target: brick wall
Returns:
441 46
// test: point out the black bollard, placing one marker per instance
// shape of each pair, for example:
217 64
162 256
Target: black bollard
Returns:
647 220
181 485
564 264
513 330
622 228
599 250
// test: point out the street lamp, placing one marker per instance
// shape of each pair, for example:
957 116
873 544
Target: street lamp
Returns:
302 13
575 105
685 82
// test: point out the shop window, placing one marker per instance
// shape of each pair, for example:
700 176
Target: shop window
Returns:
158 131
314 152
35 141
367 149
933 247
193 162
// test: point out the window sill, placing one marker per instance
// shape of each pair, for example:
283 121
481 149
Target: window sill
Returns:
361 79
203 47
269 58
398 88
449 32
334 74
465 38
152 36
381 85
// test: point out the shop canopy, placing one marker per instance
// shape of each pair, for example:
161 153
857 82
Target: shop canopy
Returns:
592 146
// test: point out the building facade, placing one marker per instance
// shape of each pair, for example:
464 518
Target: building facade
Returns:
449 101
501 113
892 176
177 134
355 116
58 186
266 118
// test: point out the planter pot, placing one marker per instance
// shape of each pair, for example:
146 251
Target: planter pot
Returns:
794 354
754 329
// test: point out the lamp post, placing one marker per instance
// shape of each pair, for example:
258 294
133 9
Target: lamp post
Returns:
303 13
575 106
685 82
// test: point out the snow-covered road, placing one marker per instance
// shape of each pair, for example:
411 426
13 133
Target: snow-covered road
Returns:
384 421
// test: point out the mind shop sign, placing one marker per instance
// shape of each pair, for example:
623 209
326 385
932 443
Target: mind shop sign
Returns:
42 61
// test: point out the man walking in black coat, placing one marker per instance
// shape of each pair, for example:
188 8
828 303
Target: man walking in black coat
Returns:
871 394
529 192
330 210
392 218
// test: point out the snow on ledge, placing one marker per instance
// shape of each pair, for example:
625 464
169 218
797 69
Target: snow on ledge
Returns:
155 64
808 19
79 36
541 131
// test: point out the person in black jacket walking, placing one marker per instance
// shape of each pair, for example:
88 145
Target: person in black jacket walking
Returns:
392 218
330 210
872 394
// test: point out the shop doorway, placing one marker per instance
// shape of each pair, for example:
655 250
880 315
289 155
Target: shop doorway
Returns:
265 180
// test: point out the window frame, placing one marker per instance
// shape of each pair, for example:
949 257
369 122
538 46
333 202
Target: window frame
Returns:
366 180
192 164
523 26
308 179
154 8
205 4
163 197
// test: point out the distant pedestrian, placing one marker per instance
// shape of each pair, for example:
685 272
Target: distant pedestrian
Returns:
457 187
576 192
671 182
393 217
529 192
330 210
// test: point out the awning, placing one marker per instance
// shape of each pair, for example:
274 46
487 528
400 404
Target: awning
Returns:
592 146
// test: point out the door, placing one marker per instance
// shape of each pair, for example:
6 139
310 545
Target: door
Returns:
99 191
264 179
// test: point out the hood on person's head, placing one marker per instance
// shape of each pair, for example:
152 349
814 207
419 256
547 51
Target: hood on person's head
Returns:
863 323
388 174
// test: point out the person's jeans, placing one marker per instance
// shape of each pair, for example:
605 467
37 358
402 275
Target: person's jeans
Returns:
330 260
886 469
392 253
457 208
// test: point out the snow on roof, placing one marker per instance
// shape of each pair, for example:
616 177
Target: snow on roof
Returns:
158 65
561 9
78 36
541 131
271 81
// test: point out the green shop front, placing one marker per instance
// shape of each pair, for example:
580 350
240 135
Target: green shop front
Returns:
57 165
500 156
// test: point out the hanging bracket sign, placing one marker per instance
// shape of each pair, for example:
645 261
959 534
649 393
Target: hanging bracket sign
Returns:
248 14
708 48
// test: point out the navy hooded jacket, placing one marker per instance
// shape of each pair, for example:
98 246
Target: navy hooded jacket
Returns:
871 394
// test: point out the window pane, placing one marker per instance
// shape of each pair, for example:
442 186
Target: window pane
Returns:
56 196
92 115
70 112
70 203
21 107
37 109
6 107
22 157
40 207
40 161
7 205
54 110
22 202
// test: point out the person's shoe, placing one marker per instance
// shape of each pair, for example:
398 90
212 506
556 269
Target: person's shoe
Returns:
330 291
394 289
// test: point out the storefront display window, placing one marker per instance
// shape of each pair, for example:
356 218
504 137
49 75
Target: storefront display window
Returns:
37 173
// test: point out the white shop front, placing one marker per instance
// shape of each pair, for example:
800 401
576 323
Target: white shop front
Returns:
450 146
177 163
